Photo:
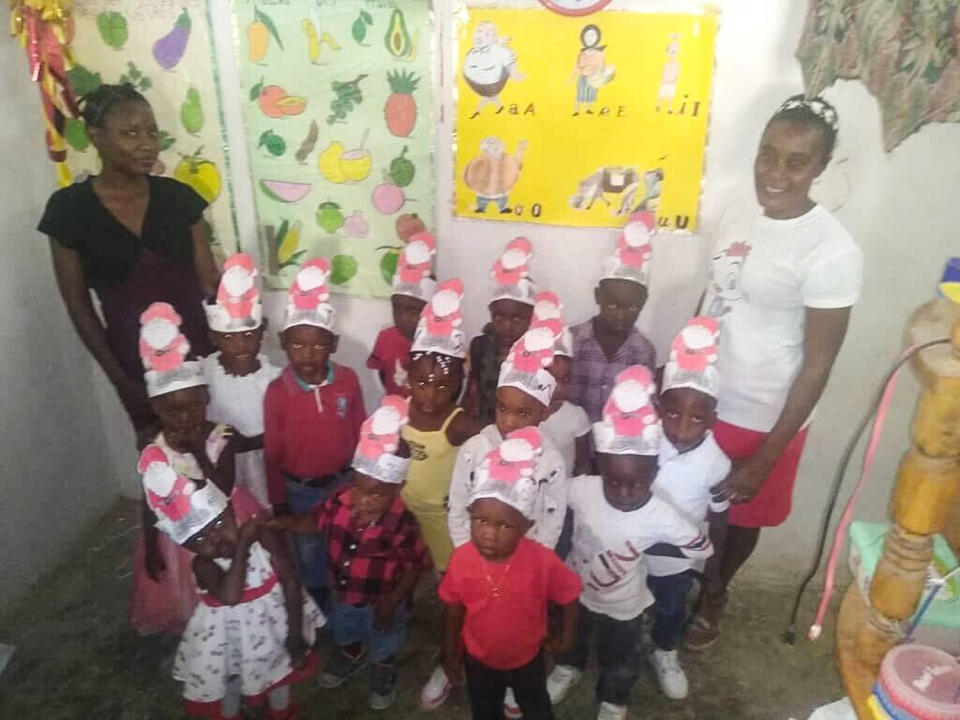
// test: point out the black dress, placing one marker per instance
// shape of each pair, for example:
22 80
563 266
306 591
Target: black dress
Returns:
128 272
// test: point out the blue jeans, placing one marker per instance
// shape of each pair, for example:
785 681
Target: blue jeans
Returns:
311 550
482 203
670 595
352 624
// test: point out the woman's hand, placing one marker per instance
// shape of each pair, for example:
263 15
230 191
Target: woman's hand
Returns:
152 559
453 668
746 478
297 648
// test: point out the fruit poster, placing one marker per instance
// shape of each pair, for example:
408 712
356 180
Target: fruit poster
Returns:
338 117
582 120
163 49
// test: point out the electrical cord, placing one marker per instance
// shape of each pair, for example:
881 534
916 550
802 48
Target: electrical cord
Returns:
789 634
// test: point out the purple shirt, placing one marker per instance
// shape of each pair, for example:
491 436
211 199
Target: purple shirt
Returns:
594 374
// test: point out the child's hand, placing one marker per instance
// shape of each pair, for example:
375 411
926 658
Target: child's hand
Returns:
250 531
384 611
557 644
453 668
297 649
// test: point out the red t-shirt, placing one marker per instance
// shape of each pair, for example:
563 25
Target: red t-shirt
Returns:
506 631
391 358
310 432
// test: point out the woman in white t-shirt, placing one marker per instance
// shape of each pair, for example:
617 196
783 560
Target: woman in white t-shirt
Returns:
782 286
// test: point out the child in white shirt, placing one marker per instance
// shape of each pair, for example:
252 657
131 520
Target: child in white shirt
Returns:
238 374
691 464
616 520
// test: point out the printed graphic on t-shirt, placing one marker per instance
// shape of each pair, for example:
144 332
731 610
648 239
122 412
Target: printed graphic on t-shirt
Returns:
418 451
342 402
726 275
399 374
606 567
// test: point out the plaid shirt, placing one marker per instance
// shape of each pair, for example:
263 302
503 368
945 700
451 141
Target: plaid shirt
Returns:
364 563
594 374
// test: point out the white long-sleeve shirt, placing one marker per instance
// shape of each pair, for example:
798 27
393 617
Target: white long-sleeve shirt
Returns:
551 474
608 547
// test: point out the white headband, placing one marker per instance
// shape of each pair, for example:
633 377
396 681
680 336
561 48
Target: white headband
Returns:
379 439
693 358
163 351
237 306
630 424
508 472
526 365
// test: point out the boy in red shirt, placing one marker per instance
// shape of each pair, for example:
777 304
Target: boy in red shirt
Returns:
413 286
312 416
497 588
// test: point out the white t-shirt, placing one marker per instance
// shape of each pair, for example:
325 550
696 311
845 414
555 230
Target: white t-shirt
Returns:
488 65
551 507
764 274
563 428
684 480
238 401
608 546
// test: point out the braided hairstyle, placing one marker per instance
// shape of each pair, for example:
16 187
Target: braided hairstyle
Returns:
811 112
447 363
98 105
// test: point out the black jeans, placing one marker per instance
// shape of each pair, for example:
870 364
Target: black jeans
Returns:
670 593
488 686
617 654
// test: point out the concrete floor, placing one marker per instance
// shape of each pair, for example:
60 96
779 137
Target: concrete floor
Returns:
76 657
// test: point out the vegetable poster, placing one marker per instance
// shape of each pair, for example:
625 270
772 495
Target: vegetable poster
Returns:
582 120
163 49
339 128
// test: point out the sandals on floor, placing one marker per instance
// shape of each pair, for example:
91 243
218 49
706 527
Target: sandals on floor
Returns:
702 634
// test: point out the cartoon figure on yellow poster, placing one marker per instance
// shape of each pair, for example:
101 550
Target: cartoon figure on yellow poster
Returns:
489 64
591 71
601 122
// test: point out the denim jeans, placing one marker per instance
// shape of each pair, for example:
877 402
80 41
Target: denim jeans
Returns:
617 644
670 594
352 624
311 550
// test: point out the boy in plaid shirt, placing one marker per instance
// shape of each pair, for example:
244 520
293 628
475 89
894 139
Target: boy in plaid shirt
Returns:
608 343
375 554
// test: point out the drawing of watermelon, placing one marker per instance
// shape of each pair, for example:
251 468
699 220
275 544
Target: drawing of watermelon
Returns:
285 192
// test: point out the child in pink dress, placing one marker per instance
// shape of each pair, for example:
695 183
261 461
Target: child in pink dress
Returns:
164 595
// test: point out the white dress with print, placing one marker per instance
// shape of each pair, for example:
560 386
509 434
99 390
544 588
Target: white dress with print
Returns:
245 640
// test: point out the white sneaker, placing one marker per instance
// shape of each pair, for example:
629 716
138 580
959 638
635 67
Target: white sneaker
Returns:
560 680
435 692
609 711
510 708
673 681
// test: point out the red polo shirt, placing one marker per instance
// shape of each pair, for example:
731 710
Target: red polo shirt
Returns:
309 431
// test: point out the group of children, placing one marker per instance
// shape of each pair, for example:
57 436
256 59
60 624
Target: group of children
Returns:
538 470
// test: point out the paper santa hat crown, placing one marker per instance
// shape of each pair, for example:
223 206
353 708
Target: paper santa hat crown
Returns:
415 267
547 310
693 358
630 424
526 365
440 327
164 350
507 473
237 306
307 299
182 509
379 439
633 251
511 273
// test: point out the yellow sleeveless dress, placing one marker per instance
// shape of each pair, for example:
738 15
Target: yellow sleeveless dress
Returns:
428 485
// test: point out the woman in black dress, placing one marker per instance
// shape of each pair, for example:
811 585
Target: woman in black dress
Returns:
133 239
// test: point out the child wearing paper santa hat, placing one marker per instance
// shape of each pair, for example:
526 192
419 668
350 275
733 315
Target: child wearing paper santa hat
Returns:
691 465
375 556
413 286
567 424
438 426
525 389
609 342
616 520
498 587
163 595
238 373
250 634
312 416
511 309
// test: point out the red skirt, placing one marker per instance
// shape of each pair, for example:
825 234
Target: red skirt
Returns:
771 506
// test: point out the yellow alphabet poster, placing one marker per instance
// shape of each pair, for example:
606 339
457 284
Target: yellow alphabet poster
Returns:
582 120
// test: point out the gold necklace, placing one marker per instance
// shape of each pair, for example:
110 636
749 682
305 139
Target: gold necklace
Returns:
495 588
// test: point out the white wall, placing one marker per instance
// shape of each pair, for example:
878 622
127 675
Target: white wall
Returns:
900 206
54 471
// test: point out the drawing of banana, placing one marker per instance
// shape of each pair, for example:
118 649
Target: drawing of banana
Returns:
315 41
